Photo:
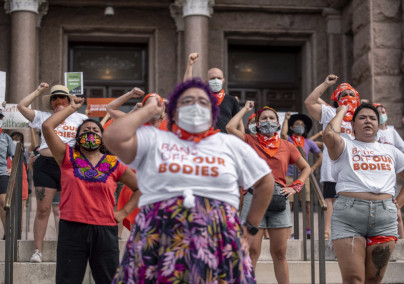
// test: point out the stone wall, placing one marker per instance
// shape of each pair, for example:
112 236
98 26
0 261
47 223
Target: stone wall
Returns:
377 28
128 23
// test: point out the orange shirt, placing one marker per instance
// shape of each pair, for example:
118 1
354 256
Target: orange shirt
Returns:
287 154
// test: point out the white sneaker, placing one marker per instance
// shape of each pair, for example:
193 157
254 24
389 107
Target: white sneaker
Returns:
36 257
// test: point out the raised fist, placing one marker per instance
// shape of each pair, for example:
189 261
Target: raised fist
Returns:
76 103
42 87
249 105
331 80
193 57
136 92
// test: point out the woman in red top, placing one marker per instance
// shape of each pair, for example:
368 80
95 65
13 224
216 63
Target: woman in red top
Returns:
278 154
88 224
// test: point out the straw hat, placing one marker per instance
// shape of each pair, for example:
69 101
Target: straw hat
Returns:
56 90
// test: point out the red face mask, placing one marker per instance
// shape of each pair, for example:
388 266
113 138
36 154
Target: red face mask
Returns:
59 104
351 103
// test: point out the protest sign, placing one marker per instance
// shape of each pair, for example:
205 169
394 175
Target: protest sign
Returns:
97 107
74 82
13 119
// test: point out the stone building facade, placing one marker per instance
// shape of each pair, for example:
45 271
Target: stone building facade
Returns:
272 51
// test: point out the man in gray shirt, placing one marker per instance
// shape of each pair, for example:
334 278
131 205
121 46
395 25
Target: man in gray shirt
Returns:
7 149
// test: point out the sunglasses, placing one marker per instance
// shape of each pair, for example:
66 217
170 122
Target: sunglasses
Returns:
55 97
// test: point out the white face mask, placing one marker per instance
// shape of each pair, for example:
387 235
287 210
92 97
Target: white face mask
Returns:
215 85
15 142
194 118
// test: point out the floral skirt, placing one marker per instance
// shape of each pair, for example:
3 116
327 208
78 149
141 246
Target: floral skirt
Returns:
173 244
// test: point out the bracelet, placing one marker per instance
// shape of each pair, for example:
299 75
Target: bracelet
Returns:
297 185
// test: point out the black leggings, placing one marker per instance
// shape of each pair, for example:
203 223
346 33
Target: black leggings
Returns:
79 243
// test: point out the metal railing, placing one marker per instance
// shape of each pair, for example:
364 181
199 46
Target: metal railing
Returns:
315 196
13 206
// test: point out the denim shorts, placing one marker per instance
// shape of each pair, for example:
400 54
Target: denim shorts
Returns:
271 220
356 217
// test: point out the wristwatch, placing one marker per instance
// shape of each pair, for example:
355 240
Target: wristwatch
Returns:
252 230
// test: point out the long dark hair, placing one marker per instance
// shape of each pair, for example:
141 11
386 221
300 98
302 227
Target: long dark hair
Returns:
19 135
103 149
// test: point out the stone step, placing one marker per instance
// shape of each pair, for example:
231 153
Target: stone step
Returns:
300 273
294 251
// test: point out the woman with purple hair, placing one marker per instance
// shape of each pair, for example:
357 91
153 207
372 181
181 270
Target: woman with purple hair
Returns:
188 229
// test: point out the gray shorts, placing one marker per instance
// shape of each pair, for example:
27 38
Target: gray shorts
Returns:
270 219
355 217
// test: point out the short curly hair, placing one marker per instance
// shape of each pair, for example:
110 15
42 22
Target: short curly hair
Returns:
180 89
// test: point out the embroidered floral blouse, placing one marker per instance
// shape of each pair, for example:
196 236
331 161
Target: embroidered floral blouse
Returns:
87 194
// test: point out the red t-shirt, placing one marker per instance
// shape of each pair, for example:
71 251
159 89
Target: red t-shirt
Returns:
287 155
87 194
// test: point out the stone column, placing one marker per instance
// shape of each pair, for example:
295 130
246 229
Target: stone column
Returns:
196 14
377 54
334 42
23 47
176 14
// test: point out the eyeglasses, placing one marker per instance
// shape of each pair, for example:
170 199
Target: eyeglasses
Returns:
191 101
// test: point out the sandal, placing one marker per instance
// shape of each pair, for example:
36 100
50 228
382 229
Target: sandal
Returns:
326 236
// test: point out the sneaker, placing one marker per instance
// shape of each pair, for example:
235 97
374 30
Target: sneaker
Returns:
36 257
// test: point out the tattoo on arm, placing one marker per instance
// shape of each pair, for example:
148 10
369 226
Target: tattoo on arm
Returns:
40 193
380 258
332 128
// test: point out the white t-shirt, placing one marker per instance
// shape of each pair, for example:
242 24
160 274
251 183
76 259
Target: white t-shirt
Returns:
66 130
367 167
167 166
390 136
327 114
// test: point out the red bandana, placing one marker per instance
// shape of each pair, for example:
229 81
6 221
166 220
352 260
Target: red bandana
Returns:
269 144
59 102
298 140
342 87
352 104
297 185
182 134
219 96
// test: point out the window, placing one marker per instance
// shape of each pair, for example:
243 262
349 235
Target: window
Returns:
109 70
268 75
